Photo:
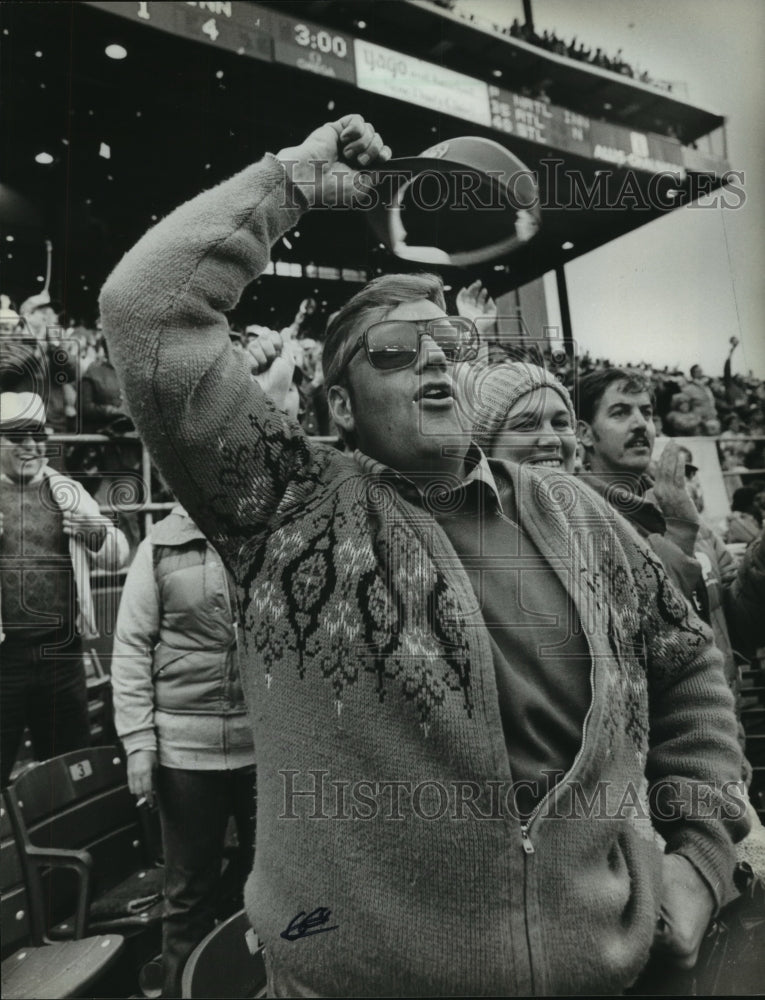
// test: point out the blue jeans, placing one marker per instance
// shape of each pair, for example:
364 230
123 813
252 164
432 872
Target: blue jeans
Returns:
194 809
48 693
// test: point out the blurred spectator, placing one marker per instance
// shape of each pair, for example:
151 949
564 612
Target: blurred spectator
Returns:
749 590
52 534
683 420
180 712
115 468
692 481
701 396
9 318
734 448
758 485
745 518
316 419
735 390
718 568
101 403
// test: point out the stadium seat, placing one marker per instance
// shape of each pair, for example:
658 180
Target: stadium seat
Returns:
79 806
223 966
32 965
100 709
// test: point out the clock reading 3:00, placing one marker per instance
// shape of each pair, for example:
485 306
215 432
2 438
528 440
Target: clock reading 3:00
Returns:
313 48
321 40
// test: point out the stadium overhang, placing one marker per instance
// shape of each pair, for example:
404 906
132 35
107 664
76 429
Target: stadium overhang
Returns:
124 140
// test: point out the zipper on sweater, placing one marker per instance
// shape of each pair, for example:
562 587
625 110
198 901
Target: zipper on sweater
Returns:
529 851
526 844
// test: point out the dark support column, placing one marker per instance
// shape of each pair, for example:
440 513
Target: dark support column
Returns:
527 14
565 315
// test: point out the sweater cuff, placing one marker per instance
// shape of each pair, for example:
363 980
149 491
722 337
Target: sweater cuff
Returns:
294 197
713 860
144 739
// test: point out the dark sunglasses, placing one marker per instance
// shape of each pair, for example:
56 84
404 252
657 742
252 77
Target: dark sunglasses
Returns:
395 344
22 434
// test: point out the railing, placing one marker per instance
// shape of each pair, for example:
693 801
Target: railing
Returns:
147 507
740 470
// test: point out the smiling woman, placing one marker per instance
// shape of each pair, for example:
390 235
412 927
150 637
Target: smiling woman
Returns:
524 415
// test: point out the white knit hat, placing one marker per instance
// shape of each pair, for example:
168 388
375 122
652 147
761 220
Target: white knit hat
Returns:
500 390
18 409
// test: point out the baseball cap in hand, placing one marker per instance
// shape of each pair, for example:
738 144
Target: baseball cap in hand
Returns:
460 202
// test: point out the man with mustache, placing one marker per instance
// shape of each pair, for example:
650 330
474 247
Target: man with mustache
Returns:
394 677
615 426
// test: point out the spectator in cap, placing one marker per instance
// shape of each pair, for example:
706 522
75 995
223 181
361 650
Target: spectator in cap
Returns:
52 535
37 358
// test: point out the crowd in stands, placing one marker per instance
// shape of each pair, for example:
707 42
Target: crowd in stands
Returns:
552 42
729 407
84 397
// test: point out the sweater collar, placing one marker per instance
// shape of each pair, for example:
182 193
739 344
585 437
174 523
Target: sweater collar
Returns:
477 463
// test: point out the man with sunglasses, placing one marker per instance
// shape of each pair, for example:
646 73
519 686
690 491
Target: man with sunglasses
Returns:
448 662
51 534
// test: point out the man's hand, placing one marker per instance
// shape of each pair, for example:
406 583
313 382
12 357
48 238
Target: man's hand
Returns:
475 303
671 494
325 165
686 909
89 528
272 362
141 766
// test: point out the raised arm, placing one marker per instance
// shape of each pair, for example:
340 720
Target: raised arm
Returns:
227 453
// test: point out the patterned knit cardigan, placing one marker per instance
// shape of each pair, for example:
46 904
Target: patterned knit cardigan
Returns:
369 675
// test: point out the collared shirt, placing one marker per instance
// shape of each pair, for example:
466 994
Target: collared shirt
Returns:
541 658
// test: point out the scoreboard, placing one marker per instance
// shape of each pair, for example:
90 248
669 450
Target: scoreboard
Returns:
263 33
